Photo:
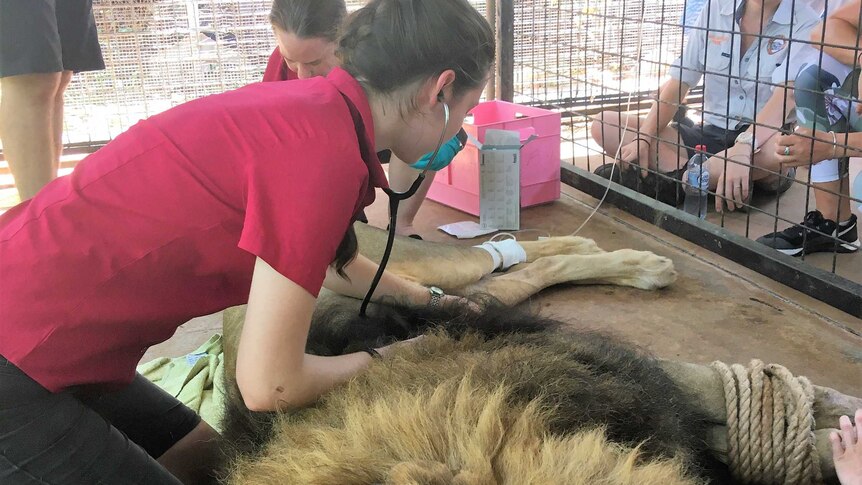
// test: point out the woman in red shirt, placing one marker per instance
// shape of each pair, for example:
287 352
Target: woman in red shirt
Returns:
246 196
306 33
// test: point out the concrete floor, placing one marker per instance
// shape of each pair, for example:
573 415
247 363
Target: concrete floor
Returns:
716 310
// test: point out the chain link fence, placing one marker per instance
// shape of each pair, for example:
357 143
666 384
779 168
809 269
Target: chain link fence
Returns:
602 63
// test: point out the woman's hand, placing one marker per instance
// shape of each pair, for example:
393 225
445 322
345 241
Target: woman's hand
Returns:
638 153
847 449
387 350
796 149
446 300
733 183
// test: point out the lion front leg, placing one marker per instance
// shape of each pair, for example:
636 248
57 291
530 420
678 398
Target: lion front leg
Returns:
456 267
640 269
563 245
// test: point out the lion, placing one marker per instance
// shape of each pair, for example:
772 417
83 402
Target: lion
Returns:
498 396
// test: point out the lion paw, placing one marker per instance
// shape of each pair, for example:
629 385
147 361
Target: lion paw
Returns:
645 270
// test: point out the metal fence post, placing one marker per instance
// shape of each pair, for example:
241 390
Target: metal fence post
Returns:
506 50
491 15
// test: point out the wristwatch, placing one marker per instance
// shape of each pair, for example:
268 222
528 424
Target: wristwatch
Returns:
747 137
436 296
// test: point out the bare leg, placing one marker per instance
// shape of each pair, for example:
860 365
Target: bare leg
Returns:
834 207
607 128
401 177
27 127
65 79
195 457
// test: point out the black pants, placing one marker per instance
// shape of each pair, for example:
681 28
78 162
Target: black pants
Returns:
87 438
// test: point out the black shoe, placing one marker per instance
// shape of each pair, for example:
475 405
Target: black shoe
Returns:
815 234
665 188
604 171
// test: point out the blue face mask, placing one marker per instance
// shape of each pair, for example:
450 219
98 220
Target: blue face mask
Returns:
444 157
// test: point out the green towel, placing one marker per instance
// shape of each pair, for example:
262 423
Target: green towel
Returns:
195 379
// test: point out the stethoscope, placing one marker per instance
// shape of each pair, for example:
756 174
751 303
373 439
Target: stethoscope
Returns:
395 198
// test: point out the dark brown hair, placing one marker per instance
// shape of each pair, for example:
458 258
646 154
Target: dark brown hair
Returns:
346 252
309 18
389 44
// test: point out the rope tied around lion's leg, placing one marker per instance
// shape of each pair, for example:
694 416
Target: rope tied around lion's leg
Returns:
770 424
756 427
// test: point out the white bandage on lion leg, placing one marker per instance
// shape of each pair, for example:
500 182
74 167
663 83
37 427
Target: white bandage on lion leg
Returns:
505 254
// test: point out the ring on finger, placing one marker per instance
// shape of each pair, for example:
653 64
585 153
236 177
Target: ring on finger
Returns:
786 151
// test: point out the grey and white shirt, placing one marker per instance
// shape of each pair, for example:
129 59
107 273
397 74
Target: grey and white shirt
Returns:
738 85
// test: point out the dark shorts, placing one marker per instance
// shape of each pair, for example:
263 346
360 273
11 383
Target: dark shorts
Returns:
46 36
665 187
85 437
716 139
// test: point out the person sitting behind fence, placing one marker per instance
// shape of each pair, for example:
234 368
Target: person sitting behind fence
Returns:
745 83
827 108
306 33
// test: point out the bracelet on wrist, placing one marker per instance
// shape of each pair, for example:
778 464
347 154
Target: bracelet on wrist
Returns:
645 141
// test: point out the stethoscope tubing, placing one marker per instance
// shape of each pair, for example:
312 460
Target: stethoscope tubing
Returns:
394 199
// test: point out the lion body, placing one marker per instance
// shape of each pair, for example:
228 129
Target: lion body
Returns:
494 398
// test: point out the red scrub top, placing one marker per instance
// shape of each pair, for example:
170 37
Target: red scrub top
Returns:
276 69
164 223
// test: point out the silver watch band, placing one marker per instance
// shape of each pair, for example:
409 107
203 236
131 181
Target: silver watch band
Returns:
436 296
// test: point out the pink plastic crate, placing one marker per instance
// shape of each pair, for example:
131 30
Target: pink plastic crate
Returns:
457 185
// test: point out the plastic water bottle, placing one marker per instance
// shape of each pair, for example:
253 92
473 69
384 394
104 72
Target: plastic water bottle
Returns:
697 188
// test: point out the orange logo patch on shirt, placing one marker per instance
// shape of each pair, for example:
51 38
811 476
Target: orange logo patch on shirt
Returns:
718 39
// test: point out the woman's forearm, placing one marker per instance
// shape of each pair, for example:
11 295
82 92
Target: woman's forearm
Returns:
361 271
278 390
670 97
770 119
318 376
272 369
839 32
849 144
842 29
